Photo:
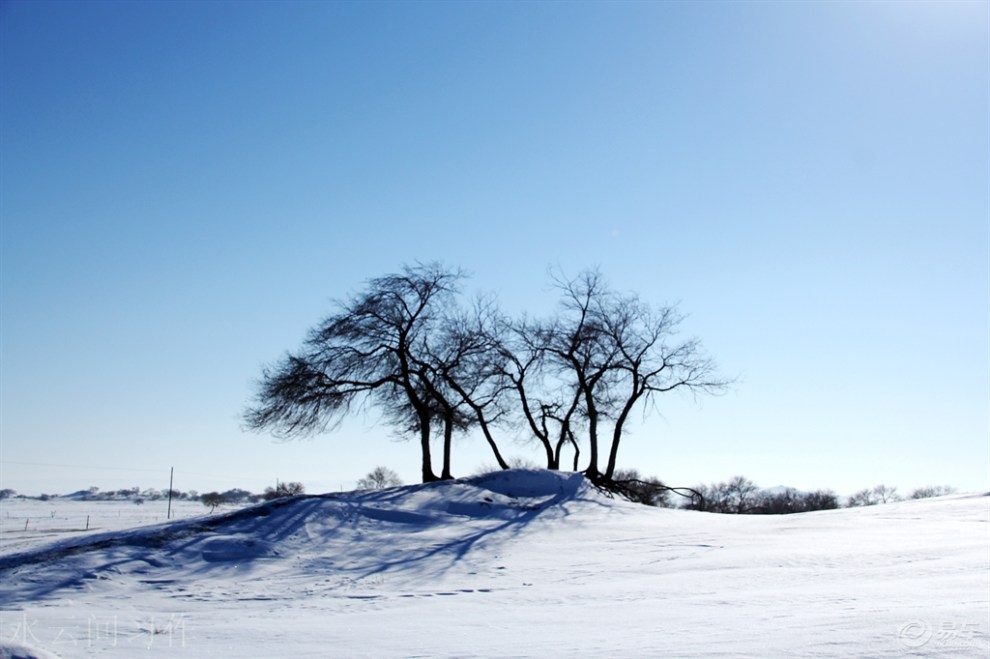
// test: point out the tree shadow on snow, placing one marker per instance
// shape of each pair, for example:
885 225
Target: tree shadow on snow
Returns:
421 531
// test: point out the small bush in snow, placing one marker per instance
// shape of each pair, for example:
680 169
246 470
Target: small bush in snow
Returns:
737 495
648 490
741 496
213 499
379 478
931 491
873 496
792 501
283 490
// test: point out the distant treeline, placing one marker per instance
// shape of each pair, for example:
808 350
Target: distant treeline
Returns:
738 495
138 496
741 496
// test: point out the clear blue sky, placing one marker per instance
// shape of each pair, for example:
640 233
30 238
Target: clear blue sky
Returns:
185 186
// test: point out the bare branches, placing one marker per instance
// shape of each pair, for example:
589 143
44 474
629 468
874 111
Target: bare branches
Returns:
620 352
405 346
379 478
366 349
297 399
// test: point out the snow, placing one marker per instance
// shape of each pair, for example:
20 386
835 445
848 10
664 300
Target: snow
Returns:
512 564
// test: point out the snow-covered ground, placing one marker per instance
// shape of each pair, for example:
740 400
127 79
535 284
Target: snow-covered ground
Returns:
514 564
27 523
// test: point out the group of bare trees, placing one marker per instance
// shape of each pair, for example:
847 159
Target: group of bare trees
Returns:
886 494
741 496
213 500
432 367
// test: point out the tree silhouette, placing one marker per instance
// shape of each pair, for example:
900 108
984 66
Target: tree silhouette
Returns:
213 500
615 352
404 347
379 478
374 349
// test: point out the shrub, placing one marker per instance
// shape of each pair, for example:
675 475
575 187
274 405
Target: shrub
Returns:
237 494
821 500
379 478
649 490
741 496
792 501
737 495
873 496
931 491
283 490
213 499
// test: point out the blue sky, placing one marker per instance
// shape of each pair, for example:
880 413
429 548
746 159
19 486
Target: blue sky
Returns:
185 187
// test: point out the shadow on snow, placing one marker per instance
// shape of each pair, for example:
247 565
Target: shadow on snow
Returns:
419 530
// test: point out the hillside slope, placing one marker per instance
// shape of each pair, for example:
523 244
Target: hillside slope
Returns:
521 563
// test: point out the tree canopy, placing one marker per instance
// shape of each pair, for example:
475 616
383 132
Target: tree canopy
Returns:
432 367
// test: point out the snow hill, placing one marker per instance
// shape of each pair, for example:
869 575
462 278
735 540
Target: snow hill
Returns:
511 564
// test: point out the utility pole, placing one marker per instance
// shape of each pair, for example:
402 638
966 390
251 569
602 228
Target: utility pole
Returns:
171 472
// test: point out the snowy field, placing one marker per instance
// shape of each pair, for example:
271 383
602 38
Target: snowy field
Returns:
26 523
516 564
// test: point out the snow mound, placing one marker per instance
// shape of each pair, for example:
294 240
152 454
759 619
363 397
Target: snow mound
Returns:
532 483
441 524
10 650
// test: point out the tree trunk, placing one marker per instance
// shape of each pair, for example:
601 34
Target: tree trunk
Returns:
617 435
491 442
563 439
540 435
566 436
424 442
479 414
448 433
592 471
553 460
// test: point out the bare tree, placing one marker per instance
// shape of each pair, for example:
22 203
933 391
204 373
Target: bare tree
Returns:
646 490
789 500
864 497
579 354
886 493
371 350
213 500
547 405
617 352
873 496
648 361
283 490
379 478
741 494
468 373
738 495
404 348
931 491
